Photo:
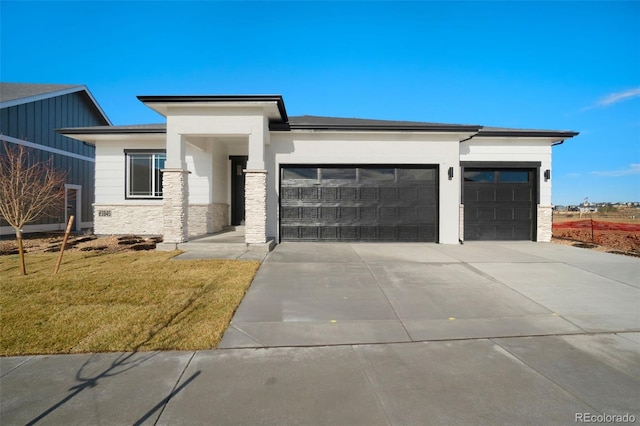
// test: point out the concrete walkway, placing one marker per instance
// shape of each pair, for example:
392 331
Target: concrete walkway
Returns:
579 311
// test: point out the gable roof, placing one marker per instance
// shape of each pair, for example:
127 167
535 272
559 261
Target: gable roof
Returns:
12 94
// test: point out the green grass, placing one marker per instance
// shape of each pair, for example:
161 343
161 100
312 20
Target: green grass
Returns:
129 301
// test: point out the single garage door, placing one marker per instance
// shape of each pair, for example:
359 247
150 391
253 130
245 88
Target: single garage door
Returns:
499 204
364 203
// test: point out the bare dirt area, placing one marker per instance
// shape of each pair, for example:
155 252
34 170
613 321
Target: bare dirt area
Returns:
613 241
52 242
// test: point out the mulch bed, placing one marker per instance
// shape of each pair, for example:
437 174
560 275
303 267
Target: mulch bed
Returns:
52 242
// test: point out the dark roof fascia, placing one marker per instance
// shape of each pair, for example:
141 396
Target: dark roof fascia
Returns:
219 98
114 130
376 128
527 133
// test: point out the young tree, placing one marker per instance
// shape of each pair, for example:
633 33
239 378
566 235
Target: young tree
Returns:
29 190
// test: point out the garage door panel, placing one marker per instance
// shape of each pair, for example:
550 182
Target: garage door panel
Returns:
359 204
498 204
504 195
522 214
290 193
309 193
349 193
526 196
407 214
367 193
504 213
486 195
309 212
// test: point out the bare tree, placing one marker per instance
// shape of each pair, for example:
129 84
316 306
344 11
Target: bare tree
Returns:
29 190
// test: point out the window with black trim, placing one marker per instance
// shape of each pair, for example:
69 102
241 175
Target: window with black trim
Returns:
144 175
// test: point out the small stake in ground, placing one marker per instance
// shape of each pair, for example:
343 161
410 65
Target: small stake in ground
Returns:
64 244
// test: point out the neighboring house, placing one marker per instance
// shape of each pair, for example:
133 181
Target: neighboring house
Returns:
29 115
231 160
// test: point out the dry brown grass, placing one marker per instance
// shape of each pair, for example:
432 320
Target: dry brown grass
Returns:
129 301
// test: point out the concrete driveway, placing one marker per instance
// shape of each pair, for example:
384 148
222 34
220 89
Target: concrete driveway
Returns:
314 294
545 337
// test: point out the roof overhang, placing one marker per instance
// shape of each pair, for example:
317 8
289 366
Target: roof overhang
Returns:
273 105
563 134
431 128
95 133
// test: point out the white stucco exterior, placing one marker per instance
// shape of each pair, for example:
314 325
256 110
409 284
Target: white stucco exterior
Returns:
362 148
202 133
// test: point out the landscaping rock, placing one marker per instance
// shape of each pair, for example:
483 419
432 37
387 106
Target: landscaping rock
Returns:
143 246
84 239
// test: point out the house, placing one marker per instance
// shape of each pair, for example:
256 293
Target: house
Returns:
29 115
240 159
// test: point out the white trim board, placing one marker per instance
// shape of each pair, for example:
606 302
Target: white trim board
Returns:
17 141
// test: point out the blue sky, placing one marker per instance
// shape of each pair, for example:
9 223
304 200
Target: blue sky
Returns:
546 65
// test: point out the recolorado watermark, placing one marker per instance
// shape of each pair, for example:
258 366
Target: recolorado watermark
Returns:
604 418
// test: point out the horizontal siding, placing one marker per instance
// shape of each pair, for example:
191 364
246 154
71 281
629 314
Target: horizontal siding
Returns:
110 168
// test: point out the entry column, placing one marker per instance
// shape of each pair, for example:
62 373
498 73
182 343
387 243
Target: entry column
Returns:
175 191
255 185
255 206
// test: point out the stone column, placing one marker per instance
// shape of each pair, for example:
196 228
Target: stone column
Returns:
255 206
545 223
175 190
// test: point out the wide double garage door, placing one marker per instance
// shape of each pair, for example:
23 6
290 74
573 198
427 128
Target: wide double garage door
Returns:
499 204
363 203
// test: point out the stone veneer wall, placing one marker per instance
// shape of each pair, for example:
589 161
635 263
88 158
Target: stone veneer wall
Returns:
175 188
461 223
207 218
545 223
219 216
120 219
255 206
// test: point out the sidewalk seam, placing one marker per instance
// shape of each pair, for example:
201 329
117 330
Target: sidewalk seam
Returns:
373 388
366 265
175 386
492 340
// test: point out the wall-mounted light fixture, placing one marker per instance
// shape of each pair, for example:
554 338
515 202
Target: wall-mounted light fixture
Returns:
547 175
450 173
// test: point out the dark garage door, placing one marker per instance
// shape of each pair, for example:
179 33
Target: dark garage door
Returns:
498 204
367 203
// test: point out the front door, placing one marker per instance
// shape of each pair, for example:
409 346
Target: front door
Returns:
238 164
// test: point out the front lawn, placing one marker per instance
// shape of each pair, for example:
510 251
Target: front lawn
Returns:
128 301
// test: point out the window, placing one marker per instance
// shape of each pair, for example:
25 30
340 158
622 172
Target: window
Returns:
371 174
480 176
339 174
300 173
514 176
144 176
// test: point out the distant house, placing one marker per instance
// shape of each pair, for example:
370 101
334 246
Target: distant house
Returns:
29 115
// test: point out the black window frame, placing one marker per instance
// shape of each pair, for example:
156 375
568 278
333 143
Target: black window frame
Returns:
128 153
